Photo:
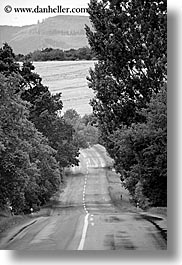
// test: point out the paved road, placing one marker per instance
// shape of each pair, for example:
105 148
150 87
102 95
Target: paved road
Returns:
86 219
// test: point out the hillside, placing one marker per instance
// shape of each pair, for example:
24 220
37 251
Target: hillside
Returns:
63 32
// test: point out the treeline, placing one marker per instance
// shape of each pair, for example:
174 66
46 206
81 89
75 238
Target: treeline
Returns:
50 54
129 39
65 32
86 131
36 142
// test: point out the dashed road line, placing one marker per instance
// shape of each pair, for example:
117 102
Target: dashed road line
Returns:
82 241
84 232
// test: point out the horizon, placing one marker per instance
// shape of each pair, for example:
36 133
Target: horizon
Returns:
26 25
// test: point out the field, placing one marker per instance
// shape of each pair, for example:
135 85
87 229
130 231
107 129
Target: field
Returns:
69 78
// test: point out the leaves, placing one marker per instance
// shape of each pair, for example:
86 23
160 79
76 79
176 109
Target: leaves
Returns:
35 142
85 131
130 44
49 54
129 39
140 153
23 153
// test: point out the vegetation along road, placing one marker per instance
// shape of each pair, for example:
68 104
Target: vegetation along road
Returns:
86 218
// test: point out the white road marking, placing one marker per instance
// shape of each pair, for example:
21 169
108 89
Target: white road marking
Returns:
91 219
82 241
84 232
83 154
100 159
92 224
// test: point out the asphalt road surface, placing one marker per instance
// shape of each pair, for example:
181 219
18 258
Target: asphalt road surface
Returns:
85 218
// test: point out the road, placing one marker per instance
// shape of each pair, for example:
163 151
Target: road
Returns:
85 218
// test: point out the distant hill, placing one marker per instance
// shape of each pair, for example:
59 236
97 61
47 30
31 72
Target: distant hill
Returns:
63 32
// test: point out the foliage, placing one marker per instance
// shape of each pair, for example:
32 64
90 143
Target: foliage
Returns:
86 132
129 39
50 54
35 141
7 60
44 112
140 153
25 155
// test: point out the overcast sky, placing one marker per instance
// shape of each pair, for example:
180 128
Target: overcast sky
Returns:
20 19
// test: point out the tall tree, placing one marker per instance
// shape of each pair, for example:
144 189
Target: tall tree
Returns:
29 172
7 60
129 39
141 154
44 109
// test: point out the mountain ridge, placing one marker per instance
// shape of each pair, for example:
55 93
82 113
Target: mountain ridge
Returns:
63 32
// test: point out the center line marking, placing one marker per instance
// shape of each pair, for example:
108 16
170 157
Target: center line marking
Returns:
82 241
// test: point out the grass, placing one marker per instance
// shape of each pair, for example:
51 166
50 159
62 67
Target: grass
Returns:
158 211
7 221
116 190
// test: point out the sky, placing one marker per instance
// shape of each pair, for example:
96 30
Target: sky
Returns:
21 19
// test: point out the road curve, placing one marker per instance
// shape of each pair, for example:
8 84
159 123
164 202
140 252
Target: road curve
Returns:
85 218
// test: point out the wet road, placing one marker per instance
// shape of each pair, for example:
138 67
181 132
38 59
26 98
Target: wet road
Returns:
85 218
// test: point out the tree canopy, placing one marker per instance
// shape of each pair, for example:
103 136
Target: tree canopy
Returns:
50 54
85 130
35 141
129 39
25 154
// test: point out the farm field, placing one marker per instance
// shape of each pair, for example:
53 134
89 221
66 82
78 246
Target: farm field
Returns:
69 78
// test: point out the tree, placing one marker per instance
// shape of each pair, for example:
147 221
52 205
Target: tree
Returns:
7 60
129 40
35 141
85 131
44 108
74 119
45 113
141 154
13 158
29 172
50 54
